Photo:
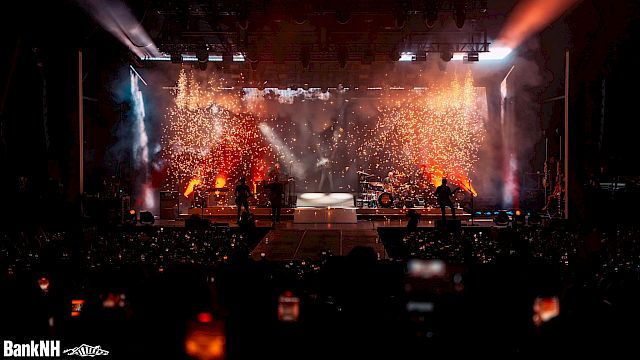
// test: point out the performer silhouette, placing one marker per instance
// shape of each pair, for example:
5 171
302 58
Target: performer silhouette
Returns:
276 190
242 194
274 173
443 197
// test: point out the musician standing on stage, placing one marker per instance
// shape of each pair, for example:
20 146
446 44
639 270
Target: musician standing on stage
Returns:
443 196
276 190
274 173
242 194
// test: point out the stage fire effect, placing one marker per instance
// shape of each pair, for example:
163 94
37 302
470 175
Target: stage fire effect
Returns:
207 140
430 134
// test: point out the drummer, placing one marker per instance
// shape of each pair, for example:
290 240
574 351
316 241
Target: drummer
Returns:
389 182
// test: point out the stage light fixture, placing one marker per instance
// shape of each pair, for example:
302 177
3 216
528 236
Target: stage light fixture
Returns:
460 13
129 216
300 15
242 18
202 55
473 56
400 19
431 13
502 218
519 218
343 17
407 56
203 58
535 218
446 54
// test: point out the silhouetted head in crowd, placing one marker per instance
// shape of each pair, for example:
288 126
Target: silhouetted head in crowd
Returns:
362 255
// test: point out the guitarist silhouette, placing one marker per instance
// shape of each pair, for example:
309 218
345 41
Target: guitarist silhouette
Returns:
443 197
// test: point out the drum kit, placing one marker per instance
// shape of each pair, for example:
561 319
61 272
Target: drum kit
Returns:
392 194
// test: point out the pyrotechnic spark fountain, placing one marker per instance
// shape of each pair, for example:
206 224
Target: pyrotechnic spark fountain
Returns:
207 139
427 133
433 134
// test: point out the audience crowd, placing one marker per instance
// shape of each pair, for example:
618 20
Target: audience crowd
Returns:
141 291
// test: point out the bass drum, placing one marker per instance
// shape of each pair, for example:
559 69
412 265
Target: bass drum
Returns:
385 200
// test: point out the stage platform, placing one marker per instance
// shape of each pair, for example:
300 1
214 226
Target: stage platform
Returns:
291 241
307 232
228 213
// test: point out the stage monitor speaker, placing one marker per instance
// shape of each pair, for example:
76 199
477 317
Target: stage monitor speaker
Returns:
449 224
146 217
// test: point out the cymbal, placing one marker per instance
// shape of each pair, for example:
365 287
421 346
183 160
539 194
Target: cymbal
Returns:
376 183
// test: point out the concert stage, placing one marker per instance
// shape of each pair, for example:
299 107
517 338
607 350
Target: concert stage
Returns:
295 241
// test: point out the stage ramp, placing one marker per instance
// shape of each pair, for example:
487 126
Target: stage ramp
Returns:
299 244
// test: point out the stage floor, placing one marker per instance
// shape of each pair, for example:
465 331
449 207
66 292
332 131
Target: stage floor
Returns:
230 212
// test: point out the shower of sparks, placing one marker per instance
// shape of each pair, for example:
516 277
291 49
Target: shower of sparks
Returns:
213 136
429 134
207 140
